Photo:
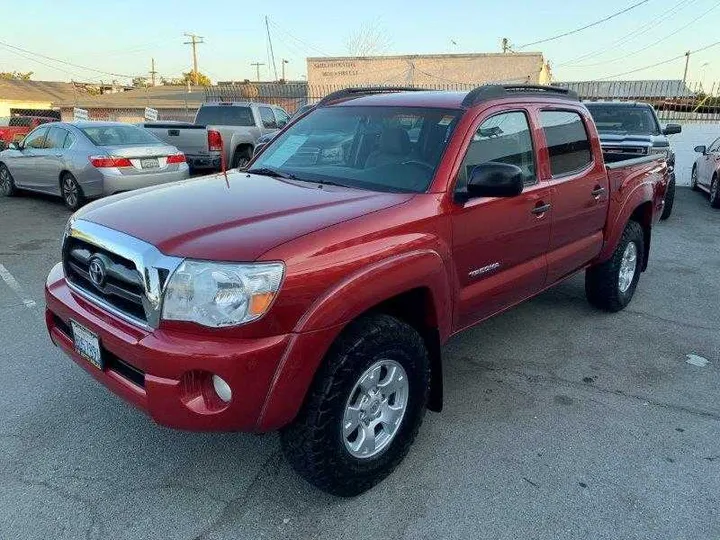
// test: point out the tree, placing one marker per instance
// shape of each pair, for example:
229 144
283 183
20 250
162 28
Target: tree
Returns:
140 82
202 80
15 75
370 39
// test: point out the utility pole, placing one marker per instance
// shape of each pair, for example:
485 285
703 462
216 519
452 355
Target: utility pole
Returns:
152 71
505 45
257 68
687 62
283 68
272 54
195 40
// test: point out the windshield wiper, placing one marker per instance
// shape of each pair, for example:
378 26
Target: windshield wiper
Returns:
267 171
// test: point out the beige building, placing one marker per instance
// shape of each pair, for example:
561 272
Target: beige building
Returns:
32 97
434 70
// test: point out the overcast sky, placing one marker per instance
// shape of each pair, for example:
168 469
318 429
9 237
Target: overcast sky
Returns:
121 36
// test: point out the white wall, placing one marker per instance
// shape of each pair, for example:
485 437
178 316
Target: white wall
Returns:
683 143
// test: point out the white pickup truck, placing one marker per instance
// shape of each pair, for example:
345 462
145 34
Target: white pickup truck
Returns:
232 127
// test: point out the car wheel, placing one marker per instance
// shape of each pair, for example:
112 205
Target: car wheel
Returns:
669 199
71 191
7 183
364 408
694 179
715 192
611 285
241 157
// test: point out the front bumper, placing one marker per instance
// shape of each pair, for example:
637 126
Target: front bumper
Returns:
114 181
166 373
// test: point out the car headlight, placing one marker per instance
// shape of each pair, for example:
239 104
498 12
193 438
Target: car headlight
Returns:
221 294
665 152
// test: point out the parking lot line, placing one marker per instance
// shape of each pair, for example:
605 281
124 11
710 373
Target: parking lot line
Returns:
15 286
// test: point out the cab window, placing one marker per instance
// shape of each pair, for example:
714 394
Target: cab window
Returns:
567 140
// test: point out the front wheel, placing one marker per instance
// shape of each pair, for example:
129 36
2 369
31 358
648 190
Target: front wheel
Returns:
364 408
611 285
71 192
715 192
669 199
7 183
694 179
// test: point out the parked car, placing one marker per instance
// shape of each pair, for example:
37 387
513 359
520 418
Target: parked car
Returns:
86 160
14 128
232 126
312 292
265 139
706 172
632 128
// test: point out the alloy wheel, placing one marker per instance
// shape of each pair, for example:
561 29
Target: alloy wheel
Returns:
628 267
5 184
70 191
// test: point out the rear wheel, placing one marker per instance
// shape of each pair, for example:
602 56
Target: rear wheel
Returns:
364 408
715 192
241 157
7 183
71 192
611 285
669 199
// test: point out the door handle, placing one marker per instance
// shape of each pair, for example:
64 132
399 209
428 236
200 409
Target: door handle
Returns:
58 155
541 208
599 190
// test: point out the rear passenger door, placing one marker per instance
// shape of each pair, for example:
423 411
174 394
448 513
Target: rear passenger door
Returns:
499 244
579 186
49 167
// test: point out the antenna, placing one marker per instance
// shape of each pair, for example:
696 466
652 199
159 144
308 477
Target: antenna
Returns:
272 54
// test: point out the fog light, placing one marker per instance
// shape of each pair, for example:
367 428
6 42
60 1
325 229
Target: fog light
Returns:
222 389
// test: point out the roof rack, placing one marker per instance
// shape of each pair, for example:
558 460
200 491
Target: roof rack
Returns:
494 91
351 93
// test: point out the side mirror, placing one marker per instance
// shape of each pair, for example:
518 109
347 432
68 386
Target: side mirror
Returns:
14 146
672 129
702 149
493 179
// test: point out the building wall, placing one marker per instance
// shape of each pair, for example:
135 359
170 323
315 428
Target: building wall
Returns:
7 104
432 70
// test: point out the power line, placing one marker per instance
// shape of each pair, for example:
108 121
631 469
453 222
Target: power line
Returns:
631 36
564 34
651 45
306 44
66 63
683 55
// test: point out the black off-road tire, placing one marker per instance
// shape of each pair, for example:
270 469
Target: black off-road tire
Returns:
602 281
314 444
715 192
241 157
669 199
7 182
71 192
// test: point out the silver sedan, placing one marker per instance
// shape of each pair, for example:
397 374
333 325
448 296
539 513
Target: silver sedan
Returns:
86 160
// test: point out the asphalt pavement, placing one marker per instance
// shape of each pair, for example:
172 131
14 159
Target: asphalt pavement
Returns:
560 422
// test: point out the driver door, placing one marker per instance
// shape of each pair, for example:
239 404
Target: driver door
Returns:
500 244
25 163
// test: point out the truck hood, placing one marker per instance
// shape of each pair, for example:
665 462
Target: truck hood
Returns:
237 219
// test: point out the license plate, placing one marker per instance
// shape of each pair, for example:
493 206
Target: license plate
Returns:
151 163
87 344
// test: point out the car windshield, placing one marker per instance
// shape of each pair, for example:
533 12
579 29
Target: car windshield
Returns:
225 115
378 148
637 120
119 136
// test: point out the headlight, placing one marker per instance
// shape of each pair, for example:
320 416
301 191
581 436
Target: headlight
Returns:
665 152
221 294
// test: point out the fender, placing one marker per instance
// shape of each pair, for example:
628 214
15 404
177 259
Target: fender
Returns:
329 314
619 214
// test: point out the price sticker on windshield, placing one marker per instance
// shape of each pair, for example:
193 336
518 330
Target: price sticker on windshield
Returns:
285 151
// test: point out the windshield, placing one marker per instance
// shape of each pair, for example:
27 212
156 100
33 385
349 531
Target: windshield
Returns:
378 148
119 136
225 115
633 120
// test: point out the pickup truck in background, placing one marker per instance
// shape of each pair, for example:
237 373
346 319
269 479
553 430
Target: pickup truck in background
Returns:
312 292
632 129
231 126
14 128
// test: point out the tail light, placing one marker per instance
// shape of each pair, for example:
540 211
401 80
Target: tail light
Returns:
102 162
215 143
176 158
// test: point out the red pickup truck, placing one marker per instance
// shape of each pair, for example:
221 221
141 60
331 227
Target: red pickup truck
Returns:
312 292
14 128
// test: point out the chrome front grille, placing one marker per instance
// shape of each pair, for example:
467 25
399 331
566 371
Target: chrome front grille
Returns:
626 150
118 272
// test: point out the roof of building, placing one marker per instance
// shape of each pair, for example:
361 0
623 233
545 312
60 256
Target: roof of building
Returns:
662 88
51 91
156 97
416 56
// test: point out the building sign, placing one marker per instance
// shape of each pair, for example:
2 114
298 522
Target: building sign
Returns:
80 114
336 68
151 115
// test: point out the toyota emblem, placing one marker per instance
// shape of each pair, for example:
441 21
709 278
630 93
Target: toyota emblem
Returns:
96 269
